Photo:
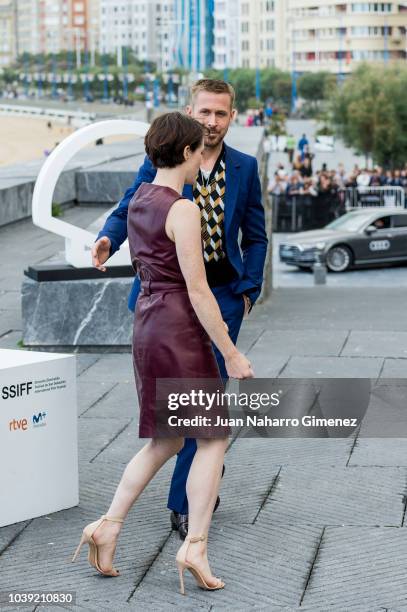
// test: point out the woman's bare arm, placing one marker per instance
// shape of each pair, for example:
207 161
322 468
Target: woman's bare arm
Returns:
183 226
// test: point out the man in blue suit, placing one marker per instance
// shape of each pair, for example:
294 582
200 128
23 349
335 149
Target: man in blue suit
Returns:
228 193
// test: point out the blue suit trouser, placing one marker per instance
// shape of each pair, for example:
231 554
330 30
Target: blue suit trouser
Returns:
232 309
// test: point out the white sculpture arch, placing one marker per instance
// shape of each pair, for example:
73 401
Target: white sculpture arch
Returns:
78 241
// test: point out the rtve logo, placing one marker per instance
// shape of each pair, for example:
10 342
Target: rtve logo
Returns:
38 420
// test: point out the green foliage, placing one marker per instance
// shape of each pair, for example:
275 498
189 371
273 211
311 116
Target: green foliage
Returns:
56 210
277 124
254 103
370 113
275 85
316 86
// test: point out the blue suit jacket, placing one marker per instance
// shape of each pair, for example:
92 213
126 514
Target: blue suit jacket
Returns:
243 211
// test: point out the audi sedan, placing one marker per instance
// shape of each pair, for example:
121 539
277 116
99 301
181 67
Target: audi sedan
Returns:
360 238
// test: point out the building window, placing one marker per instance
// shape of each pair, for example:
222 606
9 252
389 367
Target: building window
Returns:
245 26
371 7
245 45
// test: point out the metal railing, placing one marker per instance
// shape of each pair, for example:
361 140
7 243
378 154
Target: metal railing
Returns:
304 212
358 197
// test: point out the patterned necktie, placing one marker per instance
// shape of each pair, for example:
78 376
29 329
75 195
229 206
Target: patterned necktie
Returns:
210 199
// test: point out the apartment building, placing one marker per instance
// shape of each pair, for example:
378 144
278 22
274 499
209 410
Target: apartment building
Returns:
337 36
8 39
248 33
147 28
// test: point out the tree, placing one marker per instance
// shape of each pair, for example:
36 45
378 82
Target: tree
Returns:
370 113
315 86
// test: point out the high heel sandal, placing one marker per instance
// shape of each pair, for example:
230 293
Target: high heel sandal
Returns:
87 538
183 564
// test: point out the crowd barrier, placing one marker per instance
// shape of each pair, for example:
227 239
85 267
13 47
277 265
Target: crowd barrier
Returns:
305 212
298 213
357 197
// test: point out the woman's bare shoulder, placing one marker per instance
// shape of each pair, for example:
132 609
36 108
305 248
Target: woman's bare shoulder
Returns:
184 205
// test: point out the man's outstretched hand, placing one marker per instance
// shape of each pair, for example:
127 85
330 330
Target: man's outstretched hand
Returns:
100 253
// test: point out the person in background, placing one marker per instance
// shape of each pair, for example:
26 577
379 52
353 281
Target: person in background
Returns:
302 143
290 148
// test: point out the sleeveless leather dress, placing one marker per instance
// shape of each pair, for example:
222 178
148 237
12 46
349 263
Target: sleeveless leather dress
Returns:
169 341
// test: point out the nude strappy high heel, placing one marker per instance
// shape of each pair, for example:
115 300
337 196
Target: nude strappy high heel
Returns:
87 538
183 564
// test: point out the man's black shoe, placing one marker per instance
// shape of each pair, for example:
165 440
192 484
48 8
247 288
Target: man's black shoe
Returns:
179 522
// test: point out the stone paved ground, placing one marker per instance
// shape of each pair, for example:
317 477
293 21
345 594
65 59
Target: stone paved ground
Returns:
304 524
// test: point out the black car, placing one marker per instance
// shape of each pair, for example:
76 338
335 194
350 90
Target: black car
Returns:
362 237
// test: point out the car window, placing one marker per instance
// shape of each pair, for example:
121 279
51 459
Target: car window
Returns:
399 220
382 222
350 222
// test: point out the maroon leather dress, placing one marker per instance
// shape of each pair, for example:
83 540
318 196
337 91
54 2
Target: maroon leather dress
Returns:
169 341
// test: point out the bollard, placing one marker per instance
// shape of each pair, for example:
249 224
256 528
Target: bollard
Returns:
319 269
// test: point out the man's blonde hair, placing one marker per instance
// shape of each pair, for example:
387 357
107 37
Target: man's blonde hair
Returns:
216 86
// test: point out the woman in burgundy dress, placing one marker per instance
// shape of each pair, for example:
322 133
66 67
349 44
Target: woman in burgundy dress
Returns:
176 319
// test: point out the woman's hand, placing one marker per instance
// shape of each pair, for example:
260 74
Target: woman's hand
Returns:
238 366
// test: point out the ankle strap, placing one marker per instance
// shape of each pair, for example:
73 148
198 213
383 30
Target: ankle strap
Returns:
111 518
200 538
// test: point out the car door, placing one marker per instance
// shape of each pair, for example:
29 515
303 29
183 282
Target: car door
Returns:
399 235
379 245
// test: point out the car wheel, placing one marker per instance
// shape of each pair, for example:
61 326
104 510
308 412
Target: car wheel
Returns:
338 258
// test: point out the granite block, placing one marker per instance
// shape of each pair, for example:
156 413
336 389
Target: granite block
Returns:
77 313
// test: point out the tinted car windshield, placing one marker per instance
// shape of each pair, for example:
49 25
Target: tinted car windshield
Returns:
349 223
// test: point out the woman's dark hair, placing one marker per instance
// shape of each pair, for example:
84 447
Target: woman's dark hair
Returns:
168 136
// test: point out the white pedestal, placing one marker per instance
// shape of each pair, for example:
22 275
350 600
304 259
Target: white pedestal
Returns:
38 434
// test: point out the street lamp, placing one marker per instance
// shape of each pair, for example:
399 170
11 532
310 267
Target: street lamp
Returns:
291 24
258 84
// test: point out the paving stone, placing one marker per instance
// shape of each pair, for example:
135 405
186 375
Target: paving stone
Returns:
89 393
300 342
84 361
11 340
386 413
336 496
300 451
243 491
115 368
344 308
96 434
275 563
379 452
395 368
124 446
332 367
362 565
10 533
377 344
10 300
10 320
118 400
249 334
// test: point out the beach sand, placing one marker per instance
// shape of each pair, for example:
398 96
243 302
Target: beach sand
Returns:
25 138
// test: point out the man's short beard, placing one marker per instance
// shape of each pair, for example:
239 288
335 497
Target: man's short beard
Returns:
211 144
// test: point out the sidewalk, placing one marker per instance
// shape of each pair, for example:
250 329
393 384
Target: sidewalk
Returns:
309 525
